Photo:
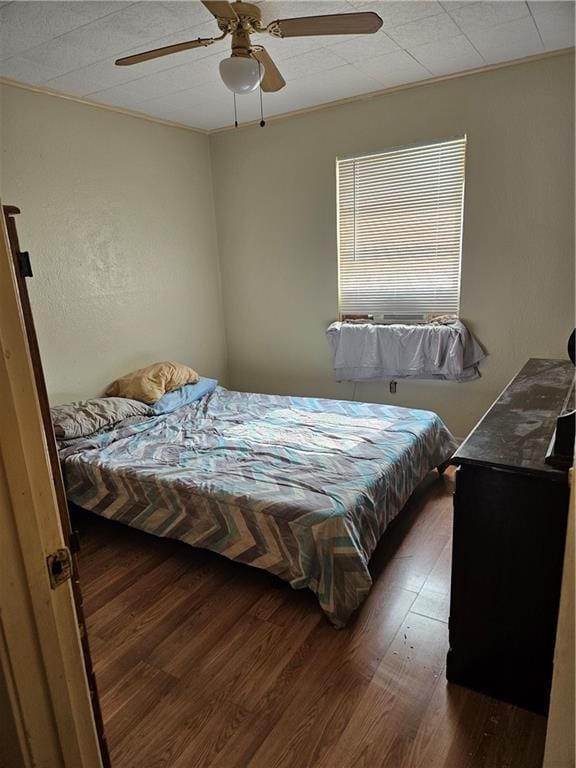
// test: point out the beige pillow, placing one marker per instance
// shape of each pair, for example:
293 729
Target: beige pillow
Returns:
150 383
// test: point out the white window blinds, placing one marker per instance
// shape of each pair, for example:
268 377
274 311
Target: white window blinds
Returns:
400 230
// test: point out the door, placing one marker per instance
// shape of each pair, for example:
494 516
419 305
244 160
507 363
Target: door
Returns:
34 505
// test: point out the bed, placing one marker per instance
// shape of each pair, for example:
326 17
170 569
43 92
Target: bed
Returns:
301 487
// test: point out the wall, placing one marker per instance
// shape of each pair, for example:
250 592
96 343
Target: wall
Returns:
118 216
276 209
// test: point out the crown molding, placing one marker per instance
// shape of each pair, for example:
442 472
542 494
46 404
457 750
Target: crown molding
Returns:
293 113
107 107
395 89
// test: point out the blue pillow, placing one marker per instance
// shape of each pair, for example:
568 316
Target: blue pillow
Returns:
185 395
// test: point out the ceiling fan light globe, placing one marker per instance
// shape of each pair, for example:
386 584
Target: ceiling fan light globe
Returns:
240 74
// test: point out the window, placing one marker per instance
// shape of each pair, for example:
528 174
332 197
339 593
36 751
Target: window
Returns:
400 231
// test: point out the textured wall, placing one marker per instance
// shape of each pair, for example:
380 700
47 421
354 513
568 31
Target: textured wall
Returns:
276 208
118 215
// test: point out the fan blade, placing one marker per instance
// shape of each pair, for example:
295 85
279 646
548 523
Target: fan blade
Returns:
333 24
156 53
221 10
272 80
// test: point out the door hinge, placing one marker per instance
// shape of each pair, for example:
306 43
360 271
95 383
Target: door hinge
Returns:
59 567
24 264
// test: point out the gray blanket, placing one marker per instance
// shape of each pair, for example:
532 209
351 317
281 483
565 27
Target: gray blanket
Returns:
371 352
301 487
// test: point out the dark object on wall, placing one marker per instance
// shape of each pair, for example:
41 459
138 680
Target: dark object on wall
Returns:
510 512
561 451
572 347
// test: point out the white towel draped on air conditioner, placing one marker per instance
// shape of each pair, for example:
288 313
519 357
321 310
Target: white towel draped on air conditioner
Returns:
370 352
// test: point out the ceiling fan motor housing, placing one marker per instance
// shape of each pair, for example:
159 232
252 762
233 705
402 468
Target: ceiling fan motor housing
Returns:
248 18
248 12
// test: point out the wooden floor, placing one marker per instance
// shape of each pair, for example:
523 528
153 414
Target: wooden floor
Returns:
202 662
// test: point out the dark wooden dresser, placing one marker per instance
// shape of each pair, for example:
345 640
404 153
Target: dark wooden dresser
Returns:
510 513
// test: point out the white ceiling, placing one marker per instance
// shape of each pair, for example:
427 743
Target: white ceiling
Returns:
70 47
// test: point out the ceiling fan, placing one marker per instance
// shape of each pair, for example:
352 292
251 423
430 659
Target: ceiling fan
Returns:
250 66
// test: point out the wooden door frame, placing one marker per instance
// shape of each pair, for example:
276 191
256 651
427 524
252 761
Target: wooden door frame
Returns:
40 644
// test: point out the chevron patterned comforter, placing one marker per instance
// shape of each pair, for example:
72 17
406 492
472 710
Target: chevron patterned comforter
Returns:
301 487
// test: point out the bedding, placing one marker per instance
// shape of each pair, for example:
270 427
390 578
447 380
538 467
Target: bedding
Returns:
85 417
185 395
150 383
301 487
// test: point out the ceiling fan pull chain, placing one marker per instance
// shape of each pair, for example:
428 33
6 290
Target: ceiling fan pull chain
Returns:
235 113
262 121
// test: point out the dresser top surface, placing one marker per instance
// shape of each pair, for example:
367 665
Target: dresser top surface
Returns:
516 431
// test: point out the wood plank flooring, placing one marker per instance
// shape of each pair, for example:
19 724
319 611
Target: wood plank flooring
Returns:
204 663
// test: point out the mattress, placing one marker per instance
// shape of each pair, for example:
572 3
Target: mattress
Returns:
301 487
